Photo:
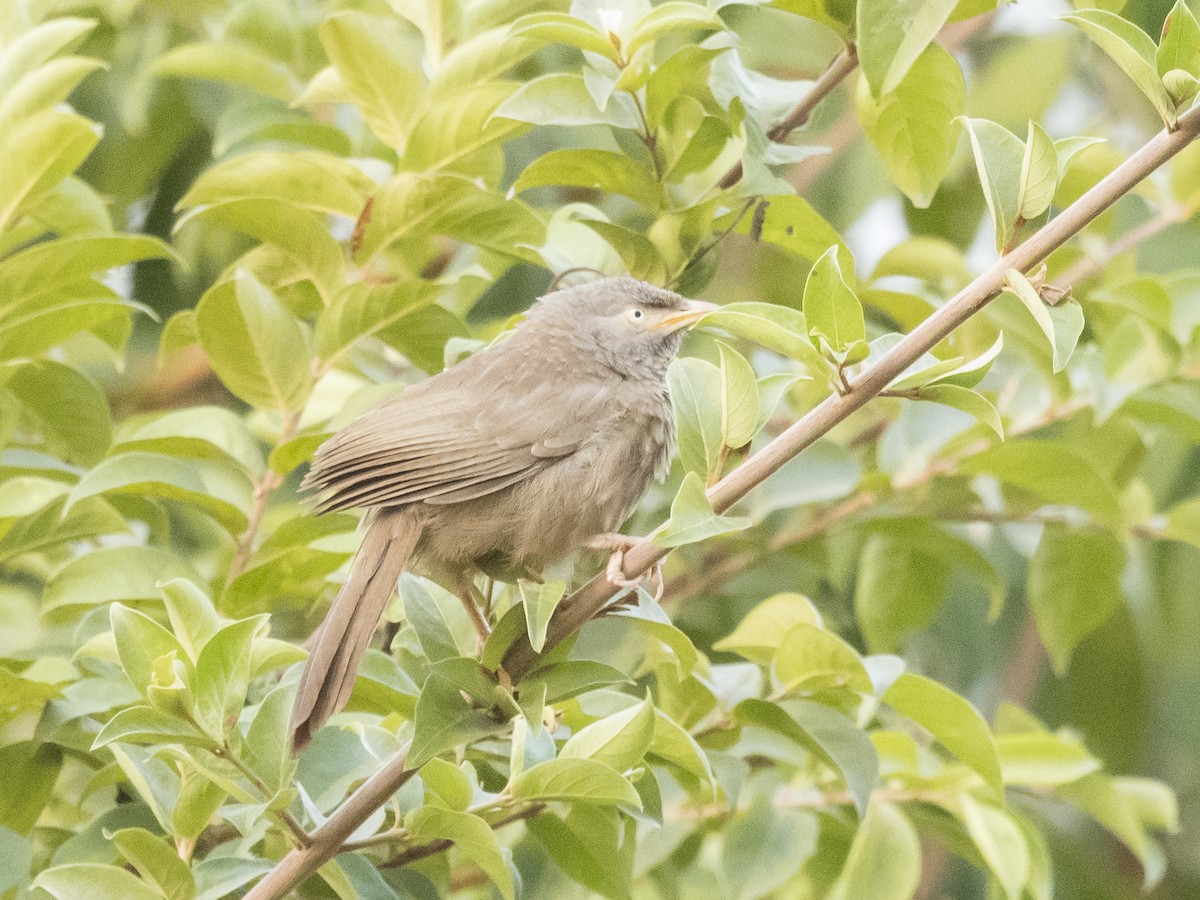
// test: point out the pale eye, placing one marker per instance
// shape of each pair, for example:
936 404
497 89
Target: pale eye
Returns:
637 314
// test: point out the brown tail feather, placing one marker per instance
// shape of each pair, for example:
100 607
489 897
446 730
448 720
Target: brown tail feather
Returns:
343 637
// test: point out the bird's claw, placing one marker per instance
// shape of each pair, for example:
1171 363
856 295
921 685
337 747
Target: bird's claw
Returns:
614 572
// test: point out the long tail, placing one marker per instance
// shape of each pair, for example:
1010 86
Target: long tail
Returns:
343 637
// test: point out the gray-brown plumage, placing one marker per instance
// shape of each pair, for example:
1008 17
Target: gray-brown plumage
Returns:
514 457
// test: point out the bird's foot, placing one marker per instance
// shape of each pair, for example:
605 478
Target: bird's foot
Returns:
614 572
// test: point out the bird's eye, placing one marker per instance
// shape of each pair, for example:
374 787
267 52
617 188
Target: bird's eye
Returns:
636 314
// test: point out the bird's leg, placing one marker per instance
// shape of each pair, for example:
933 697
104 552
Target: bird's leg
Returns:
471 598
617 545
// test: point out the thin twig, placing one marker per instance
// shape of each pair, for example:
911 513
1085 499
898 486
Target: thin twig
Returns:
1090 266
843 64
263 489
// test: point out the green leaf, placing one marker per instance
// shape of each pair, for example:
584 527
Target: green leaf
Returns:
85 881
563 28
825 733
763 848
575 780
619 741
229 62
141 643
443 720
438 618
1043 760
601 170
198 432
789 222
314 181
28 771
540 600
778 328
966 400
1053 471
899 589
146 725
1019 285
697 397
892 34
1074 587
383 311
811 658
223 673
1131 49
692 517
1182 522
761 633
446 785
913 127
383 85
453 129
669 17
563 99
1000 842
831 308
1179 47
157 862
128 574
676 745
1039 173
999 156
219 491
739 399
471 835
255 345
38 153
885 858
572 677
587 845
952 720
649 617
71 412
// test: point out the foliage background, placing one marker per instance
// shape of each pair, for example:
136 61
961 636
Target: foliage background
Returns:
191 296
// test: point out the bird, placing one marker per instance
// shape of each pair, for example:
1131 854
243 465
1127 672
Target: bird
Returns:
510 461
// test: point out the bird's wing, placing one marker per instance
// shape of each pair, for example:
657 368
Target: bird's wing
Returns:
457 437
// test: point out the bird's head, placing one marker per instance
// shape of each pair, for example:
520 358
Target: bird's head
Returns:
636 327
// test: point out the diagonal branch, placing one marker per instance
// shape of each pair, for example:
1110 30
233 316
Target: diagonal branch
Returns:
592 599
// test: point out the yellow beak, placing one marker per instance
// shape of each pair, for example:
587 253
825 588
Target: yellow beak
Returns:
693 312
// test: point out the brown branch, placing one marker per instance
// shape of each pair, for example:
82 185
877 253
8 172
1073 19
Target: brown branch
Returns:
263 489
591 599
412 854
843 64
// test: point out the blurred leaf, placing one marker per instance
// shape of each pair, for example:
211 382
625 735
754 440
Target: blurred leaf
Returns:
312 181
563 99
109 574
892 35
1000 842
28 771
386 89
761 633
157 862
70 410
471 835
952 720
913 126
229 62
619 741
82 881
672 16
811 658
219 491
586 846
1074 586
38 153
885 858
764 848
579 780
602 170
1043 760
255 345
1131 49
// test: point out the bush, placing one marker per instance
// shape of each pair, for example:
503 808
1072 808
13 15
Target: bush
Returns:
936 456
